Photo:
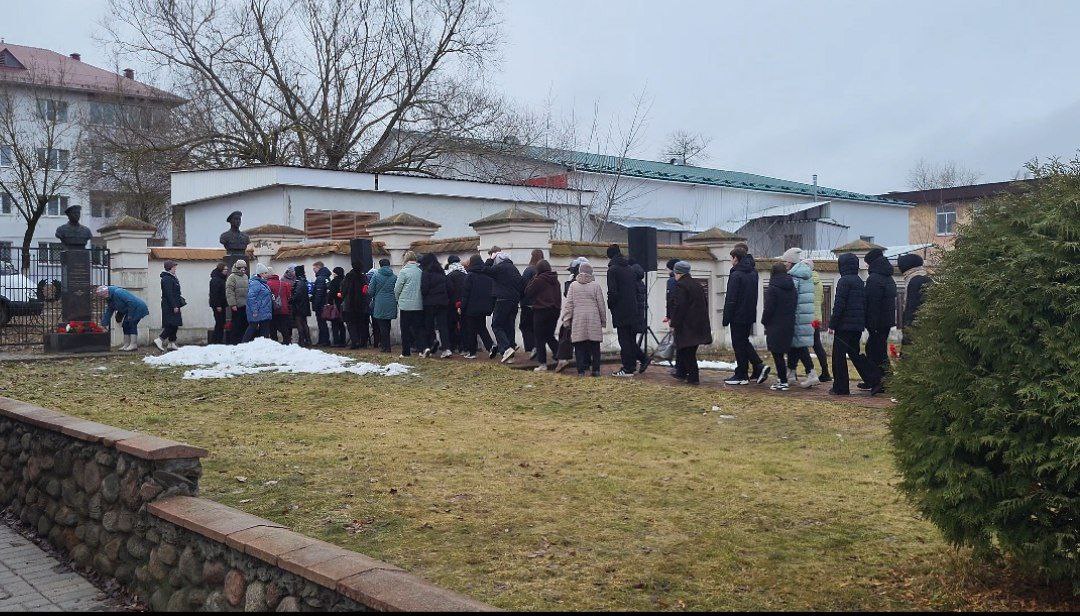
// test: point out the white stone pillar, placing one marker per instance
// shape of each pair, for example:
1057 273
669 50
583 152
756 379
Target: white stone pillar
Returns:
517 232
129 262
398 232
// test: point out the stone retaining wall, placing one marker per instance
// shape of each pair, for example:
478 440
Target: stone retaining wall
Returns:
124 505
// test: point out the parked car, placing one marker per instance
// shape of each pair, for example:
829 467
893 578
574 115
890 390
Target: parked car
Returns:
19 296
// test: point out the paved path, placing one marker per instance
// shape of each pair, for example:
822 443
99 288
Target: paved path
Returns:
31 580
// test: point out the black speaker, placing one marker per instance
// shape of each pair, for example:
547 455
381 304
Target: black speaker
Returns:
642 245
360 252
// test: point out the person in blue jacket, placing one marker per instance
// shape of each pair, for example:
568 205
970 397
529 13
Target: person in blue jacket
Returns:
120 301
260 305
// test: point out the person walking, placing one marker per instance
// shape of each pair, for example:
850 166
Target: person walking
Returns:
300 306
740 313
260 305
507 290
407 292
778 317
130 309
803 340
477 302
382 301
525 323
818 323
669 295
622 300
337 325
916 281
585 312
319 299
847 322
880 309
689 320
281 326
236 289
433 288
171 303
355 292
455 279
565 354
219 302
545 299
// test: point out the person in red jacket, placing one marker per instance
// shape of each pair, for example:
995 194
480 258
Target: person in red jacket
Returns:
280 293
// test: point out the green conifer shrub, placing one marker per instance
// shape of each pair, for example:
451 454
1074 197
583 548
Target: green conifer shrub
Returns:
987 429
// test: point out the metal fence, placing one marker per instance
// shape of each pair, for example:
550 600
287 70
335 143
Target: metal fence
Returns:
30 293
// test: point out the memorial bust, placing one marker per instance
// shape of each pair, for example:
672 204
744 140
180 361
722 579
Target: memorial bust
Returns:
72 234
234 240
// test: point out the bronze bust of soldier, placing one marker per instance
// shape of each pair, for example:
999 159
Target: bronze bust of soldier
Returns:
72 234
234 240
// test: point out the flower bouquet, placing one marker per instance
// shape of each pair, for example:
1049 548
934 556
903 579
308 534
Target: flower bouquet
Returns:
80 327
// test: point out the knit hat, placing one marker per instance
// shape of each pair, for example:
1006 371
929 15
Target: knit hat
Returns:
682 267
299 269
260 269
908 261
170 264
340 271
874 255
671 264
500 257
102 291
613 251
793 255
585 268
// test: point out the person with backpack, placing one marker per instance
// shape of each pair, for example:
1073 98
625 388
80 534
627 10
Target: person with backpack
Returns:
546 301
300 306
280 298
778 317
847 322
880 309
690 320
219 302
477 302
410 299
740 312
383 302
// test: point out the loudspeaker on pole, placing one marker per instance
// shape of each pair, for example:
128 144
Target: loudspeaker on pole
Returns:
642 246
360 254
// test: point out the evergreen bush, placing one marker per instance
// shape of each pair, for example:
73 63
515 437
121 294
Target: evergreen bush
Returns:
987 429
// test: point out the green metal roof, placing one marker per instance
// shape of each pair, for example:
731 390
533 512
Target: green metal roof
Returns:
653 170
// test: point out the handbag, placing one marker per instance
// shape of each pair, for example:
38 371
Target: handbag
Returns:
666 349
330 312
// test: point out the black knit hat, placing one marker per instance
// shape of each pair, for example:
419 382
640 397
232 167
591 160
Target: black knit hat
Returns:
613 251
908 261
299 269
874 255
671 264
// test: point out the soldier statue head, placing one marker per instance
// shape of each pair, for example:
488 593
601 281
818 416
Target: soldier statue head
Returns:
234 240
72 234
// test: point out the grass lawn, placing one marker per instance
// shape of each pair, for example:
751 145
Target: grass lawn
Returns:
534 491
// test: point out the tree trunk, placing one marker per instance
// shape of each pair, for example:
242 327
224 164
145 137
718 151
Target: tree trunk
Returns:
28 236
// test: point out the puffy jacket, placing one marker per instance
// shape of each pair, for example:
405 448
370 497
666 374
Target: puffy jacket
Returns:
880 295
690 314
319 293
804 311
433 287
384 304
543 291
236 286
584 310
669 295
218 299
123 301
526 278
455 281
171 299
477 293
281 289
913 299
407 289
642 294
849 303
778 316
300 302
354 302
333 288
622 294
260 307
740 301
507 280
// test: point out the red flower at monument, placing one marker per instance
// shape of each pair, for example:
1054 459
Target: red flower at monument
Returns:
80 327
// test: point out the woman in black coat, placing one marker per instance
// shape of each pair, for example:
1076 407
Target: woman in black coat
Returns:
689 320
171 303
436 294
477 304
334 295
778 317
847 321
300 306
219 303
354 307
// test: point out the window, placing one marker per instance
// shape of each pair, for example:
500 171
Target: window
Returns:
5 251
7 203
56 206
793 241
100 208
946 219
104 114
7 157
53 110
869 239
56 160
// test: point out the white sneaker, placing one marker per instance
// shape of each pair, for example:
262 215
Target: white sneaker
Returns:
469 356
562 365
623 374
159 343
779 386
735 381
173 347
447 353
810 380
508 355
425 353
540 368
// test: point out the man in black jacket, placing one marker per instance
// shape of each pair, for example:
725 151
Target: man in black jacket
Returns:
219 303
847 322
319 300
622 299
507 292
740 312
880 308
917 280
477 304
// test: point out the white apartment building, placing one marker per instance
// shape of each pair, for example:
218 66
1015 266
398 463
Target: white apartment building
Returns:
52 99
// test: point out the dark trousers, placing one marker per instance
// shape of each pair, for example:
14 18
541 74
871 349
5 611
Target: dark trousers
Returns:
688 363
877 350
412 331
745 354
587 354
168 332
566 347
544 320
337 332
324 331
219 327
845 345
819 350
470 329
303 331
781 367
453 321
502 324
797 354
435 321
239 325
359 336
528 336
629 351
282 328
261 328
382 326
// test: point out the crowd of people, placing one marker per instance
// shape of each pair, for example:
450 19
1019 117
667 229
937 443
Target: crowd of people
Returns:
444 309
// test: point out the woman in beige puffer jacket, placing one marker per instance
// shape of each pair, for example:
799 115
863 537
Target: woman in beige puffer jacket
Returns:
585 310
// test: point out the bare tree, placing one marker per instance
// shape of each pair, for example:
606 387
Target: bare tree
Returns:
320 83
40 139
686 148
929 176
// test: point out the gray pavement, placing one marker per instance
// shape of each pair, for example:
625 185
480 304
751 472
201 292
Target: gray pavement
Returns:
31 580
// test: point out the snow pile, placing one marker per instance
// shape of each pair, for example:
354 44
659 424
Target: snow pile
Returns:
218 361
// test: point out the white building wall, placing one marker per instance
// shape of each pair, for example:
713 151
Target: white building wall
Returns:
887 224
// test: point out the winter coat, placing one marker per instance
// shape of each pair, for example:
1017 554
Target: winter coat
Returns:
778 316
880 296
300 302
527 277
236 288
320 291
354 302
282 289
218 299
381 290
849 301
333 288
507 280
433 286
408 287
477 293
622 295
123 301
804 312
740 301
917 283
584 310
171 300
543 291
669 295
642 295
690 314
455 281
260 307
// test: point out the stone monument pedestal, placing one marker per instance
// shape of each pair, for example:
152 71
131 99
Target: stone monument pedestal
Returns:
76 343
75 299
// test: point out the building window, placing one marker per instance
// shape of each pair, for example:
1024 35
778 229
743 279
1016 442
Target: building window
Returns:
5 251
7 157
52 110
104 114
793 241
946 219
100 208
7 203
55 160
56 206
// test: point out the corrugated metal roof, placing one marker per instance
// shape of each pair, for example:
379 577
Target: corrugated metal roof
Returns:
771 212
660 224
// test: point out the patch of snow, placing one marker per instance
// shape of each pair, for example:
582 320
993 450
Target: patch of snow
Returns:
218 361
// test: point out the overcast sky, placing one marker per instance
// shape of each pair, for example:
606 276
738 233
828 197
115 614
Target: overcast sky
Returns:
855 91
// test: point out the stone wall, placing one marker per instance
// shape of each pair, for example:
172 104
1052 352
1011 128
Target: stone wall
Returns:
124 505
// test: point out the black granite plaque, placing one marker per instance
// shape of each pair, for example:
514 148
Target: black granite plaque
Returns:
76 283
